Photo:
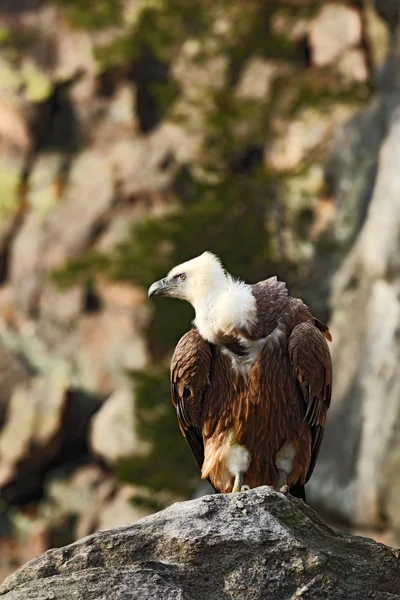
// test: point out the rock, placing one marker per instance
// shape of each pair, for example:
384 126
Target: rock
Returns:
199 82
148 205
365 327
120 509
335 29
12 373
256 80
295 140
353 66
30 437
70 226
227 88
389 10
253 545
52 234
26 546
7 225
111 342
377 36
149 163
392 498
89 499
13 129
350 172
124 295
60 306
198 79
26 271
350 169
41 190
44 421
288 24
113 432
77 497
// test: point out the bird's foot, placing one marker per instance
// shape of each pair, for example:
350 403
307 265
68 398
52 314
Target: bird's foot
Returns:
245 488
281 484
238 484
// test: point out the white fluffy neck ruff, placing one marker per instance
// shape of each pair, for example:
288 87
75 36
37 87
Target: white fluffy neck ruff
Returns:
225 308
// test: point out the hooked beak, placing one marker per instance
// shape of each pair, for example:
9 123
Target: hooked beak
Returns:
158 288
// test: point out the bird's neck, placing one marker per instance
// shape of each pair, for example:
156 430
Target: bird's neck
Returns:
206 319
222 311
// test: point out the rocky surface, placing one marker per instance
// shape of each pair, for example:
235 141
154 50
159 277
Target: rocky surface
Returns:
242 546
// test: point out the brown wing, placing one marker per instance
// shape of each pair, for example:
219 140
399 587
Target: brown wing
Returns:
190 367
271 297
311 360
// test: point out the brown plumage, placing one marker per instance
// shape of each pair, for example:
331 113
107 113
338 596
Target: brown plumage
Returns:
261 390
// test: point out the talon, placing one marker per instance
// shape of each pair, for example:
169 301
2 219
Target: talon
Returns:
284 489
245 488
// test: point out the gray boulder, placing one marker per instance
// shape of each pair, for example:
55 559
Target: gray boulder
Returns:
252 545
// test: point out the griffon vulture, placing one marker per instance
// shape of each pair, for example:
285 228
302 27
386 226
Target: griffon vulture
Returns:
251 381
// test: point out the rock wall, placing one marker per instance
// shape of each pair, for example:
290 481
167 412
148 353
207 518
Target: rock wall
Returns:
135 135
357 475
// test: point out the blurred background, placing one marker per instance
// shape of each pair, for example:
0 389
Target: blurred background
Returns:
135 134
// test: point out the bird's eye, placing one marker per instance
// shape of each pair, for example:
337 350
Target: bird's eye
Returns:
182 276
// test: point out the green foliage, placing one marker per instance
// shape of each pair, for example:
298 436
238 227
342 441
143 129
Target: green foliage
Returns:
92 14
162 26
170 466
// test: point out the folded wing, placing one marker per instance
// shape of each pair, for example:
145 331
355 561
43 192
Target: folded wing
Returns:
190 368
310 357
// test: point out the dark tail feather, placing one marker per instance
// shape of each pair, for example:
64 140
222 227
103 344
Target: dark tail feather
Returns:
298 491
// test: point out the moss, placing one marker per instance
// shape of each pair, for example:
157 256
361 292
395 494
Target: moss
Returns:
92 14
5 36
323 88
161 27
9 179
83 269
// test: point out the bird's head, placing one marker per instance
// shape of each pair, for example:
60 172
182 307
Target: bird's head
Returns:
193 280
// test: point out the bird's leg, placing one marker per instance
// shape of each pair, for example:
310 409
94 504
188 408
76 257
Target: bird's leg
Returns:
281 484
237 486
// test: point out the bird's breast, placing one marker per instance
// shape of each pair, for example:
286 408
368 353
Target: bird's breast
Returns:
246 353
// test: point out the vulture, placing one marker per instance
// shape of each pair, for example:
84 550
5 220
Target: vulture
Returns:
251 381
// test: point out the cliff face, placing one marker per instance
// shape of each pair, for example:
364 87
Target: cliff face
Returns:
357 474
133 136
242 546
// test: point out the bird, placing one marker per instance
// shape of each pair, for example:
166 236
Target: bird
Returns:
251 381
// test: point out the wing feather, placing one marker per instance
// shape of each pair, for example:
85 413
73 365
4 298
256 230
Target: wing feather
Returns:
311 360
190 367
